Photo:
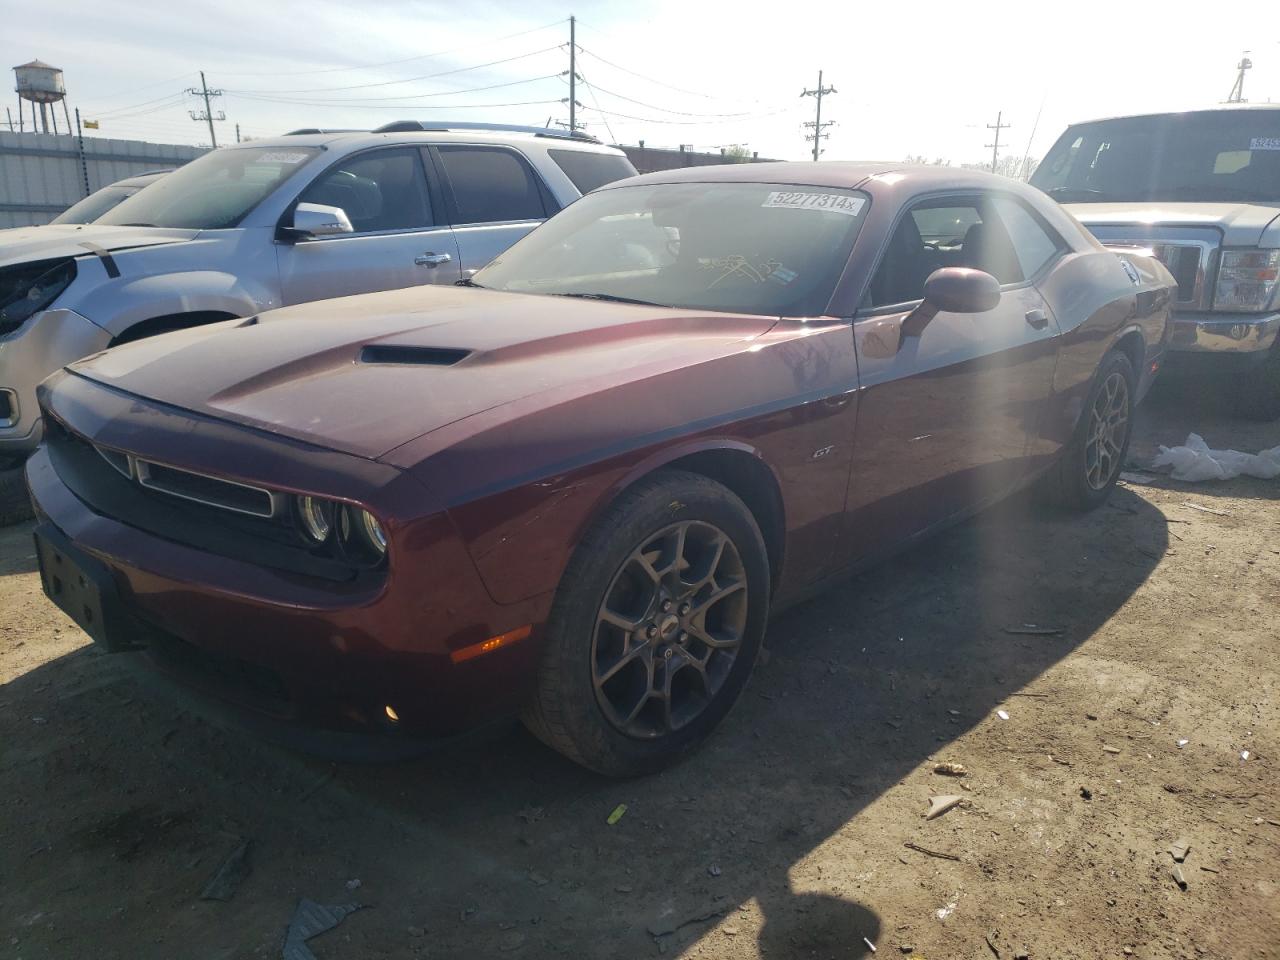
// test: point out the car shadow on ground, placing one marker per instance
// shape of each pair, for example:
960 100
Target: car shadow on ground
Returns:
501 844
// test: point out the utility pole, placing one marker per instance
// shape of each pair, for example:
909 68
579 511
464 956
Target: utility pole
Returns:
995 147
1237 90
208 114
84 165
816 124
237 133
573 76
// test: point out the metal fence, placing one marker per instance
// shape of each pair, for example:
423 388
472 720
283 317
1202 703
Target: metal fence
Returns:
41 174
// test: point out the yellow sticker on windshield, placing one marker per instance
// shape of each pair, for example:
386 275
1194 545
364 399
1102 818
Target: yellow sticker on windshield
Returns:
824 202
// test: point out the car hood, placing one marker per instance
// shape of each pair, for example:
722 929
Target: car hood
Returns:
1241 224
366 374
55 240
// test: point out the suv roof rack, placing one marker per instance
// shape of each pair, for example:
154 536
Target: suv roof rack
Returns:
441 126
306 131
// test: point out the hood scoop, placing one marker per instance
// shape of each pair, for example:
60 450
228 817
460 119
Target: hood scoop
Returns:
412 356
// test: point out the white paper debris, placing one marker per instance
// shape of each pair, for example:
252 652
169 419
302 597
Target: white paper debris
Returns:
943 912
1183 743
1244 754
1002 715
1194 462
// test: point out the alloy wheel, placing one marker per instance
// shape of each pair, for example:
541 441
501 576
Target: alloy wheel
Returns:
1108 431
669 629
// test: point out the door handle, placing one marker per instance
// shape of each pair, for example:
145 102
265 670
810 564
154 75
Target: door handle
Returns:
432 259
1037 319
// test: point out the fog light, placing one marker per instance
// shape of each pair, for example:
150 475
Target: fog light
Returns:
1239 331
391 713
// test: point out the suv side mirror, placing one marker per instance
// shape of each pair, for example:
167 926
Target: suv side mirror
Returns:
318 220
953 290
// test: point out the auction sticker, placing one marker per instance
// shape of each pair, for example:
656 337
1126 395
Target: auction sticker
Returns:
283 156
826 202
1264 143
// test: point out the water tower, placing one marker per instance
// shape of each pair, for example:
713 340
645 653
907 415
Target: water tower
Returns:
40 83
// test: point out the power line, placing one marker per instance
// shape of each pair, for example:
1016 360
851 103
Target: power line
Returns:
680 113
679 123
592 90
816 124
391 63
425 76
401 106
356 101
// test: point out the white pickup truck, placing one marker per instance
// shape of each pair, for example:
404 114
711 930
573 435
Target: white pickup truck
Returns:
1201 189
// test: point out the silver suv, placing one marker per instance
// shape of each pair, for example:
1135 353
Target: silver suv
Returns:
259 225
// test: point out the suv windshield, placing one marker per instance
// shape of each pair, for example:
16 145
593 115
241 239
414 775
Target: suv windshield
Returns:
1212 155
769 249
95 205
213 191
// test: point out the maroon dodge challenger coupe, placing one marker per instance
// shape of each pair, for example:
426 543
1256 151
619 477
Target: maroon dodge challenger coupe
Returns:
573 488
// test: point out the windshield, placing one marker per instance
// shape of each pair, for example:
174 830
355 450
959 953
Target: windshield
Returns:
213 191
95 205
1221 155
769 249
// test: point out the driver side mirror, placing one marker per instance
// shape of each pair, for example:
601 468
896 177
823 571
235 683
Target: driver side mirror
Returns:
317 220
953 290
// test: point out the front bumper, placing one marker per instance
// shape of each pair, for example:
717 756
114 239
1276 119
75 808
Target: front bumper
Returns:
1240 333
280 646
45 343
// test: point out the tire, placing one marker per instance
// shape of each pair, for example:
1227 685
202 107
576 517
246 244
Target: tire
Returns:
595 699
15 501
1258 397
1081 480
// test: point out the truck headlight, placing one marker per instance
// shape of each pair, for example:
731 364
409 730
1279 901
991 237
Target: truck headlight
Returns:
31 287
1246 279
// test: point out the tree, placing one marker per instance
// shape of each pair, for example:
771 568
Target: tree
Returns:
738 153
921 158
1010 165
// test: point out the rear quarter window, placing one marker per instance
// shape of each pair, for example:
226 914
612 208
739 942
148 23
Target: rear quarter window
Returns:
491 185
586 171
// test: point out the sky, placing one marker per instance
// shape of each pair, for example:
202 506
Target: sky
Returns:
917 78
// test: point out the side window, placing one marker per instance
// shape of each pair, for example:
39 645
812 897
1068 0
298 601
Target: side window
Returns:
380 190
943 232
1034 244
491 185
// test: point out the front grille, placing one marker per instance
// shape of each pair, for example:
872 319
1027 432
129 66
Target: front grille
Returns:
101 478
1186 263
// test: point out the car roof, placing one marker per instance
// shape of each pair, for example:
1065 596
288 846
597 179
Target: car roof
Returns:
829 173
359 139
1219 108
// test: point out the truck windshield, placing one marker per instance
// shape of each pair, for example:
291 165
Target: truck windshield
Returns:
758 248
1210 156
212 192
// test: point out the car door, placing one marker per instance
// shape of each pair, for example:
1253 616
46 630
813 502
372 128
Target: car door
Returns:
397 239
945 418
494 198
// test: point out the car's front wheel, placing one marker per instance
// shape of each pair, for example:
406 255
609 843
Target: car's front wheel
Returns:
655 627
1090 465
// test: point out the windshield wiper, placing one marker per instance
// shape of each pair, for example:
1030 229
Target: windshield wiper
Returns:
468 282
610 298
137 224
1057 192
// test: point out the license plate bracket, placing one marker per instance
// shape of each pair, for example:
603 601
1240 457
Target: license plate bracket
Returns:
82 587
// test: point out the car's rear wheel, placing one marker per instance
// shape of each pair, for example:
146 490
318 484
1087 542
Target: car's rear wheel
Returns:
655 627
1258 396
1089 467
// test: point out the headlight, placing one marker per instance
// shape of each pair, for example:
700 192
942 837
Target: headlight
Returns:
362 535
315 517
30 288
1246 279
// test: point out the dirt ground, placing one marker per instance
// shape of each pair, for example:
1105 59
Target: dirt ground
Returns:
797 832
